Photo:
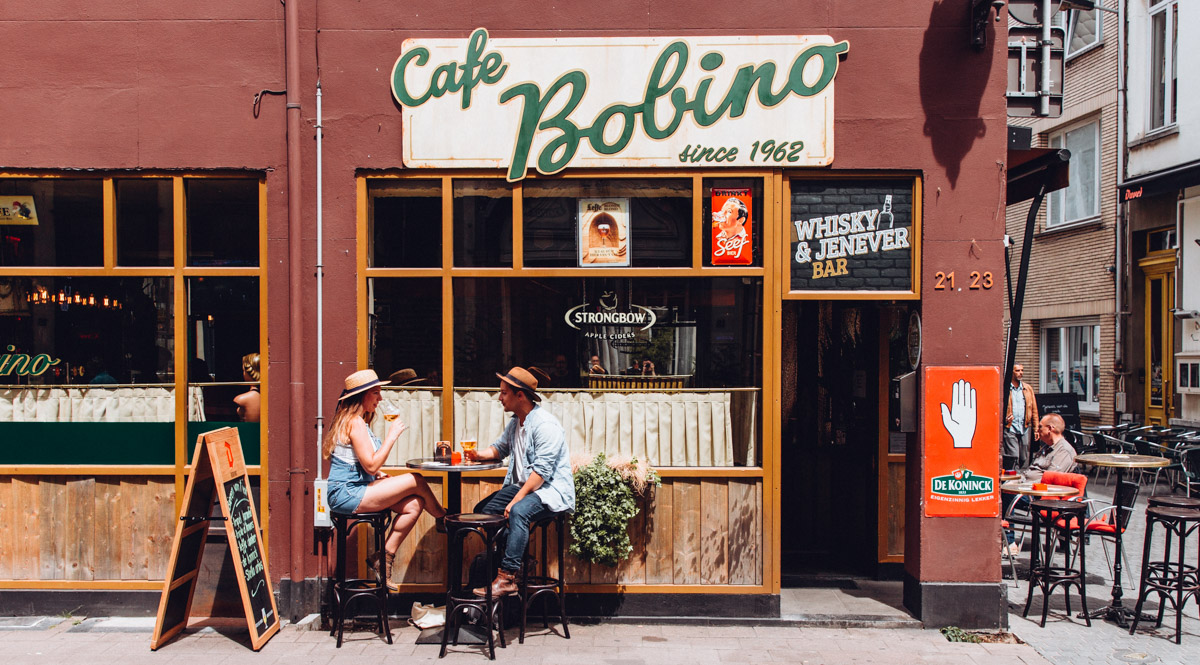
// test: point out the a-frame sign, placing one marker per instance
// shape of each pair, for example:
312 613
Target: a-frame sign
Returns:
218 471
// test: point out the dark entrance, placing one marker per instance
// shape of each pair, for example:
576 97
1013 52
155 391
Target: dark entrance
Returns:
830 441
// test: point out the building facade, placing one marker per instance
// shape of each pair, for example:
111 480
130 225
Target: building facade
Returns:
521 184
1068 337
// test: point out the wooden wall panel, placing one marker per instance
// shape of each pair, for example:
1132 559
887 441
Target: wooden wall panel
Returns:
687 531
136 563
421 557
714 531
79 534
108 547
26 554
745 533
8 524
160 511
51 531
660 536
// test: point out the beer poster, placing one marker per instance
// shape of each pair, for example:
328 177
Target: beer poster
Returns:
731 227
962 441
18 210
603 233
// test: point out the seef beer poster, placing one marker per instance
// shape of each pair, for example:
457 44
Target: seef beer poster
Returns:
603 232
962 441
731 227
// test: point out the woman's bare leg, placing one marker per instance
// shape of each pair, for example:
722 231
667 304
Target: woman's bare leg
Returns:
387 492
408 511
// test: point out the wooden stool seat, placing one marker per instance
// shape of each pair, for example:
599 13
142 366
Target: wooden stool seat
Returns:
461 601
1171 580
1057 522
342 591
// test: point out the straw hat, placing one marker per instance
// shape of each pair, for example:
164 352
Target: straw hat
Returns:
522 379
361 381
405 377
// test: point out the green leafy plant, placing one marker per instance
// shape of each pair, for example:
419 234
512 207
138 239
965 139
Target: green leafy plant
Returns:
956 634
605 500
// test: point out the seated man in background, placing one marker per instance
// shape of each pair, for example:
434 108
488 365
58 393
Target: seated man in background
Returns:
1056 454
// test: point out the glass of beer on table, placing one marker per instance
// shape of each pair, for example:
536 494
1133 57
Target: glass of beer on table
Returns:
468 446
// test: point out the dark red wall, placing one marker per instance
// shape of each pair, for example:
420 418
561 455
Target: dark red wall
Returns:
110 84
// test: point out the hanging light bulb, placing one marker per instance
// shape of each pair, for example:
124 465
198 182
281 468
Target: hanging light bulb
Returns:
105 301
92 299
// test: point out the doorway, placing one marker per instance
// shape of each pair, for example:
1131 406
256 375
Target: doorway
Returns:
1160 342
829 441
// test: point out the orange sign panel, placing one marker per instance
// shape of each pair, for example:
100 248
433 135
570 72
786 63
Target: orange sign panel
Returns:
962 441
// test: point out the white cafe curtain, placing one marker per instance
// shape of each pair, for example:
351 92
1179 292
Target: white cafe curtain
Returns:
89 404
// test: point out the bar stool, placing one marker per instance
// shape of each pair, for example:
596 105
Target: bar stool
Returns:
1057 522
1173 501
538 583
1171 580
460 600
344 591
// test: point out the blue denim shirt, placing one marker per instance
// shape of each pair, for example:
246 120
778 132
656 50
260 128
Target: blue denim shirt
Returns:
546 454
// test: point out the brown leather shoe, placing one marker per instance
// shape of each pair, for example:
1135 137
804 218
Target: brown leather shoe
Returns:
504 584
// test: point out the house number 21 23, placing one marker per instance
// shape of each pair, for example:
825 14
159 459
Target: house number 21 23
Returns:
945 280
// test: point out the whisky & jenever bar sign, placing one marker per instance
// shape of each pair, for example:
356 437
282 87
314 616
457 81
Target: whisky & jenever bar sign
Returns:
617 102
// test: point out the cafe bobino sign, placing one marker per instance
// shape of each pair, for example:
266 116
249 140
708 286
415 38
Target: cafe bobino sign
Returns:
962 441
852 236
707 102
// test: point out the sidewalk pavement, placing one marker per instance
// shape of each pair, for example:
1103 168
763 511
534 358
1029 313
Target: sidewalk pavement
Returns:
127 642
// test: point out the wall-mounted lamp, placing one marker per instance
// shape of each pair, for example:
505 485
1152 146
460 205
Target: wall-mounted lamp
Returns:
980 11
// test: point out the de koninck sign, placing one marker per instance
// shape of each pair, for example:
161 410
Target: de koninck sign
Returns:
617 102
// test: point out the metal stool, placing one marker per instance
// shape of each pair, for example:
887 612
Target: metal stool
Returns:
343 591
531 585
460 600
1171 580
1057 522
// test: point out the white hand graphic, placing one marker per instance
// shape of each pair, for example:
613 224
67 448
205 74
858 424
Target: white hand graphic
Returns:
959 417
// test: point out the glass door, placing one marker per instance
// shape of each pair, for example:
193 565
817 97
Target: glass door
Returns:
1160 298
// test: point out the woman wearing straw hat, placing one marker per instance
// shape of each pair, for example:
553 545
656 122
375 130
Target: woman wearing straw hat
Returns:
356 456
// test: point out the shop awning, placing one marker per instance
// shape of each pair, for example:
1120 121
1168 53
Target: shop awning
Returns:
1029 169
1160 182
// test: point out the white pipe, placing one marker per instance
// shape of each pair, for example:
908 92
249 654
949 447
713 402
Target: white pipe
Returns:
320 296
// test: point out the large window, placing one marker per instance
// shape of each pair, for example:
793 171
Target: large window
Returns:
648 347
1164 70
1080 201
1071 362
111 342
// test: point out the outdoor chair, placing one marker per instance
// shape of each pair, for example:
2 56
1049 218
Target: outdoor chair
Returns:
1104 524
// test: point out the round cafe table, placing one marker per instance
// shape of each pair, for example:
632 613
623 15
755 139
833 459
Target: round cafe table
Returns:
1026 488
1115 611
466 634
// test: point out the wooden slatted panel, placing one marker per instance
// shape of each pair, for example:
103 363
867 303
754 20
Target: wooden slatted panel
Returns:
714 530
106 552
133 510
79 533
160 493
660 530
578 572
26 554
52 522
8 524
745 533
687 531
633 569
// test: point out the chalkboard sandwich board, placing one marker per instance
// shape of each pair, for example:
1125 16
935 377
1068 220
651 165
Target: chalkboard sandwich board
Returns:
218 471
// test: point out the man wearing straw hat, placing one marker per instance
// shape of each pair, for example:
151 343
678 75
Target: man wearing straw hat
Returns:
539 481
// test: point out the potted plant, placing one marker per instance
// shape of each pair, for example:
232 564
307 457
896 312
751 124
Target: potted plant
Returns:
606 492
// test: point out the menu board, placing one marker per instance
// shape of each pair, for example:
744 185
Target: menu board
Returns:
218 472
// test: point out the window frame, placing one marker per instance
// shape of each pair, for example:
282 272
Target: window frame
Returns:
1069 22
1165 121
448 271
1090 403
178 271
1060 195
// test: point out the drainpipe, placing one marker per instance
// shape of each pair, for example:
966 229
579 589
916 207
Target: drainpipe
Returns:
1119 271
296 429
320 291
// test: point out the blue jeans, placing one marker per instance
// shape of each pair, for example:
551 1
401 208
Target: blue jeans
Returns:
528 510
